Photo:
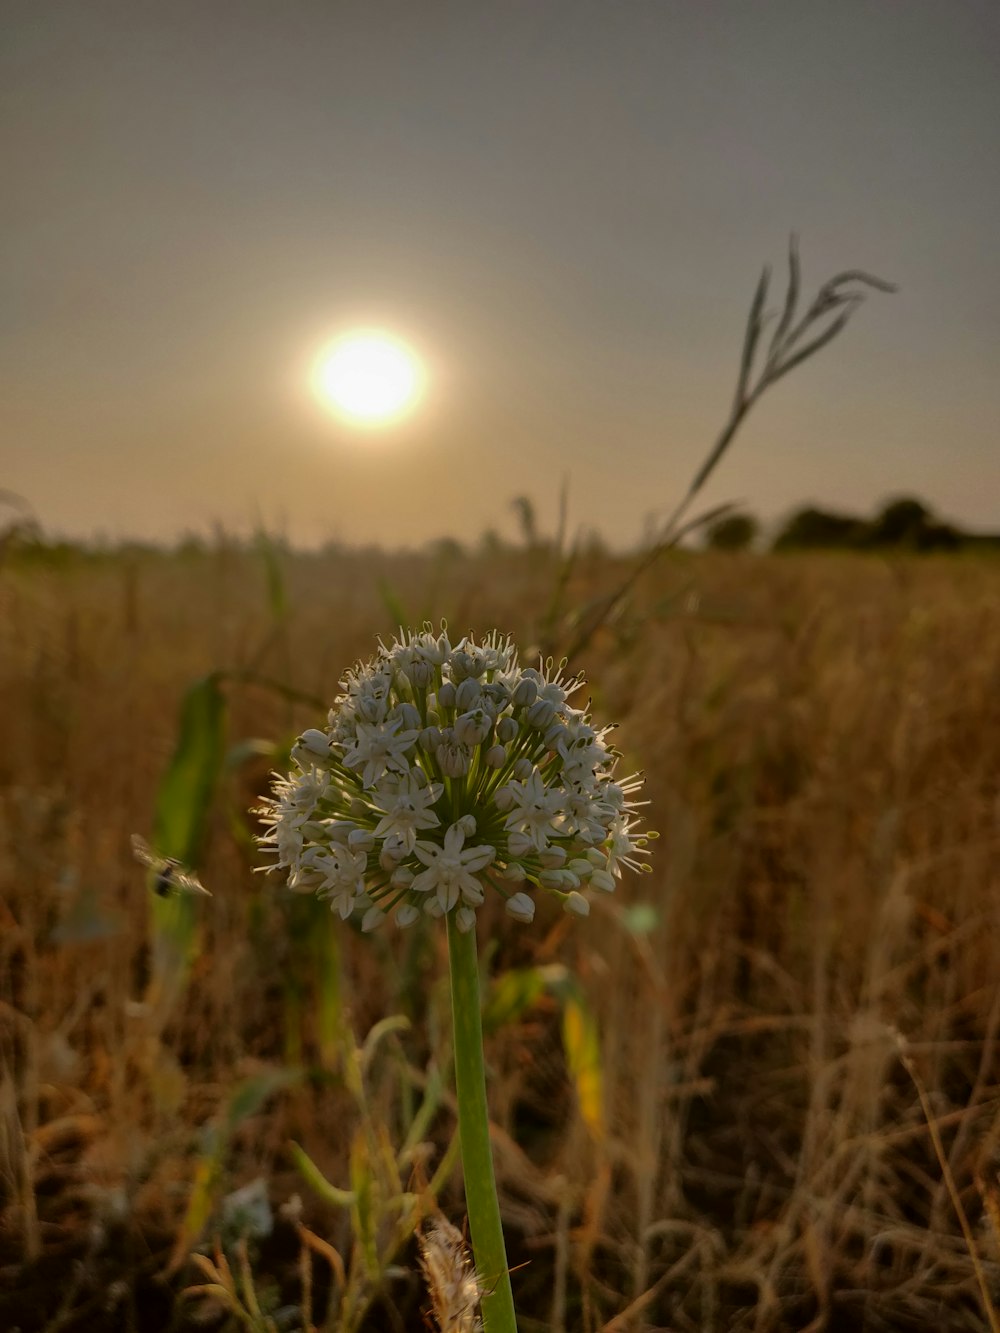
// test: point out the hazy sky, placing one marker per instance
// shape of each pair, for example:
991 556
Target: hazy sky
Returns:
563 205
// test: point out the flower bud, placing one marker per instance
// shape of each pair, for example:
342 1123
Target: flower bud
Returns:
430 739
316 742
446 695
503 799
496 756
525 693
507 729
467 824
523 769
519 844
465 919
467 695
540 715
372 919
409 716
454 760
576 904
514 872
603 880
521 908
361 840
401 878
473 728
421 674
406 915
553 858
461 665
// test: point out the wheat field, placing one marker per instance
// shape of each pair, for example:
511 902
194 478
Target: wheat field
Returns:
758 1089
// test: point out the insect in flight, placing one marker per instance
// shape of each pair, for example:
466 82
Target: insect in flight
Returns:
169 876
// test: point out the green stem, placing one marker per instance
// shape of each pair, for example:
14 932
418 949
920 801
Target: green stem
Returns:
474 1132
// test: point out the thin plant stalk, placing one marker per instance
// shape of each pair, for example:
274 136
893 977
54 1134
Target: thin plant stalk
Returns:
474 1132
791 343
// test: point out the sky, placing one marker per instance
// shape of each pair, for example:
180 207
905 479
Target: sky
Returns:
562 205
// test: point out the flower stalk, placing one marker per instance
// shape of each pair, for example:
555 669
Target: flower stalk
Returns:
443 773
497 1301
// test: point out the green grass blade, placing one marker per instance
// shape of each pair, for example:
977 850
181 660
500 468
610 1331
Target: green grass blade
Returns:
187 787
180 821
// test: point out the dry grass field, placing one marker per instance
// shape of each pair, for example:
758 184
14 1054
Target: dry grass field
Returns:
758 1089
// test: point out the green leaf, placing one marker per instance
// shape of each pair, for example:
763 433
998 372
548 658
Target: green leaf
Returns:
249 1096
186 788
180 821
364 1212
513 993
583 1056
377 1033
316 1181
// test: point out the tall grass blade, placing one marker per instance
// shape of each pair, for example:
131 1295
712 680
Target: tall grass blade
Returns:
180 822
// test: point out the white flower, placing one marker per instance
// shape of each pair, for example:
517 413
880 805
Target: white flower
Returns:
380 748
534 809
451 869
407 811
342 875
444 772
622 849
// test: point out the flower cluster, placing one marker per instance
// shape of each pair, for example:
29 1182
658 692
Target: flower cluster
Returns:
444 770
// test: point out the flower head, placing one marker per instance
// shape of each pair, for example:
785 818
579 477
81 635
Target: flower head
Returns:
447 771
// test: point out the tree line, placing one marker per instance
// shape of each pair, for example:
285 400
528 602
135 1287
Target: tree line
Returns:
904 524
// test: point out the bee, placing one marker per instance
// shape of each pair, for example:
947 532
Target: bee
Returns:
169 876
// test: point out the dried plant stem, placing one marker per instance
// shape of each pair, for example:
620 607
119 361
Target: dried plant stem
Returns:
474 1131
949 1180
791 343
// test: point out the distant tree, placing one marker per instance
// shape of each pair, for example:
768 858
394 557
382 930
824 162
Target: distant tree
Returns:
906 522
899 523
818 528
734 532
941 537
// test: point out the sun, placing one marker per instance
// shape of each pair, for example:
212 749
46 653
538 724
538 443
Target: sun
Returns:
368 377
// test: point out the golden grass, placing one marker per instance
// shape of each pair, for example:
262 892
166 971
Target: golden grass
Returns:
822 743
